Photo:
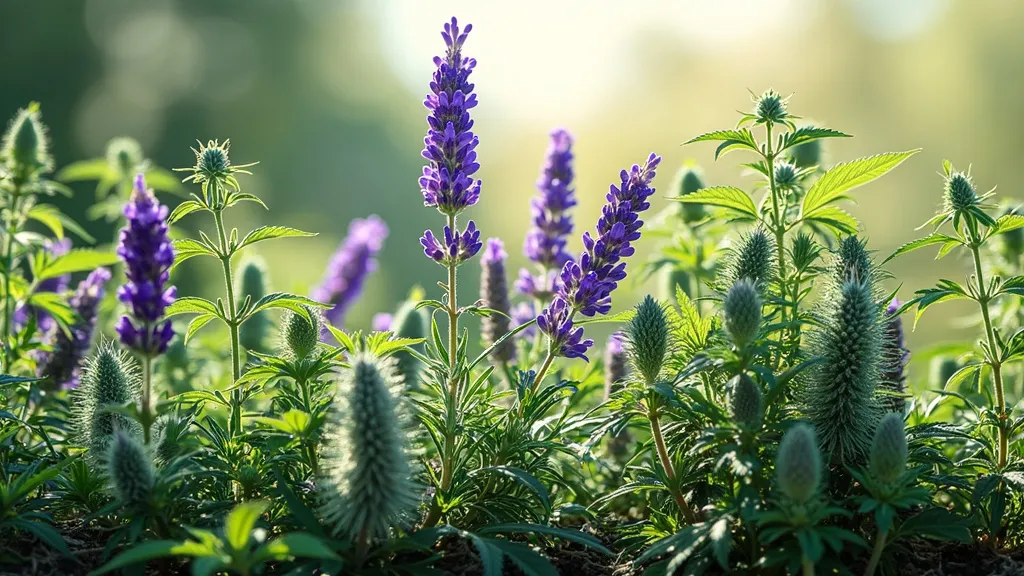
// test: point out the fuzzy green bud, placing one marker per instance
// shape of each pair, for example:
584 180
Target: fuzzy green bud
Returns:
888 459
746 402
171 434
410 322
689 179
212 160
960 193
770 106
26 145
252 280
785 175
841 400
742 308
647 338
130 470
798 465
109 379
670 277
124 157
853 260
753 259
366 485
300 337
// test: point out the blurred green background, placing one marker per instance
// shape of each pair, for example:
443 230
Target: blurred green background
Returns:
327 95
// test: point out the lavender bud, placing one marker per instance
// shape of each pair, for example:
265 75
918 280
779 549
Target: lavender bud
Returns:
351 265
494 293
62 366
551 224
456 248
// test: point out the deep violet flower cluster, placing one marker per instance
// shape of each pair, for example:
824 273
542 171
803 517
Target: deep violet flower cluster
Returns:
551 224
587 284
447 182
148 255
63 364
352 263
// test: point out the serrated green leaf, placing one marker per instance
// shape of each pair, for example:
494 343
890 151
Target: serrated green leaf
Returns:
184 209
196 324
191 305
78 260
809 133
841 178
723 196
269 232
292 302
935 238
1008 222
55 305
525 479
834 218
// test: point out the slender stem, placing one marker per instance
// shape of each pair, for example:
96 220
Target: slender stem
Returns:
808 567
666 461
147 392
993 360
876 554
236 369
779 224
8 272
544 369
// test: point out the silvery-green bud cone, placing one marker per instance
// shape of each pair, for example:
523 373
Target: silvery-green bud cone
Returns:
742 313
798 464
109 379
253 280
648 339
366 487
889 450
852 259
299 335
960 193
747 402
689 179
26 144
670 277
130 470
410 322
753 259
124 156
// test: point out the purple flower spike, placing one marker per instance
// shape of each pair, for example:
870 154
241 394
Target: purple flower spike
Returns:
551 224
62 366
450 145
353 262
586 285
148 255
456 247
382 322
494 294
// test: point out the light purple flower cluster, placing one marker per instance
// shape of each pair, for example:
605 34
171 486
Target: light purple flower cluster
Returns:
381 322
353 262
63 364
148 255
447 182
546 239
586 285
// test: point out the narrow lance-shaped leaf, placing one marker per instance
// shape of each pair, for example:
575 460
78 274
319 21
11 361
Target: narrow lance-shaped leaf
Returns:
79 260
936 238
841 178
269 232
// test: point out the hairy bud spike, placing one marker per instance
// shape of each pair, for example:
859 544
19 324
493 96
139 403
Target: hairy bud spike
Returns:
894 362
130 470
753 259
747 402
785 175
124 157
960 193
888 459
840 398
742 313
253 280
853 258
109 379
25 144
299 335
494 293
410 322
366 486
689 179
647 335
798 464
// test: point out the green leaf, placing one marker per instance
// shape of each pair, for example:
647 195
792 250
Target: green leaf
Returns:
45 533
292 302
936 238
1008 222
730 140
269 232
841 178
185 248
724 196
528 560
809 133
184 209
525 479
78 260
94 169
490 556
570 535
939 524
55 305
240 522
142 552
48 215
191 305
721 539
294 545
294 422
196 324
835 218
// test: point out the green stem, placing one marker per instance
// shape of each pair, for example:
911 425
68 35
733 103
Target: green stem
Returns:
778 224
666 461
147 390
993 360
543 369
876 554
236 370
808 566
12 227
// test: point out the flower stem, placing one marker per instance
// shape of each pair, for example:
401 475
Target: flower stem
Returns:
666 461
876 554
808 566
12 228
147 394
778 224
235 425
993 356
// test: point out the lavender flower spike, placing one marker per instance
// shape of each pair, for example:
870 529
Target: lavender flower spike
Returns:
62 366
354 261
148 255
450 145
546 239
494 293
456 247
586 285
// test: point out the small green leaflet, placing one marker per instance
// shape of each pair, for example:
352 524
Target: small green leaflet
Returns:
269 232
936 238
809 133
841 178
78 260
731 140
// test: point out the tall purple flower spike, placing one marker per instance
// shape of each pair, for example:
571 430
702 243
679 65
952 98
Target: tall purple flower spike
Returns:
353 262
455 248
551 224
148 255
587 284
450 145
63 365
